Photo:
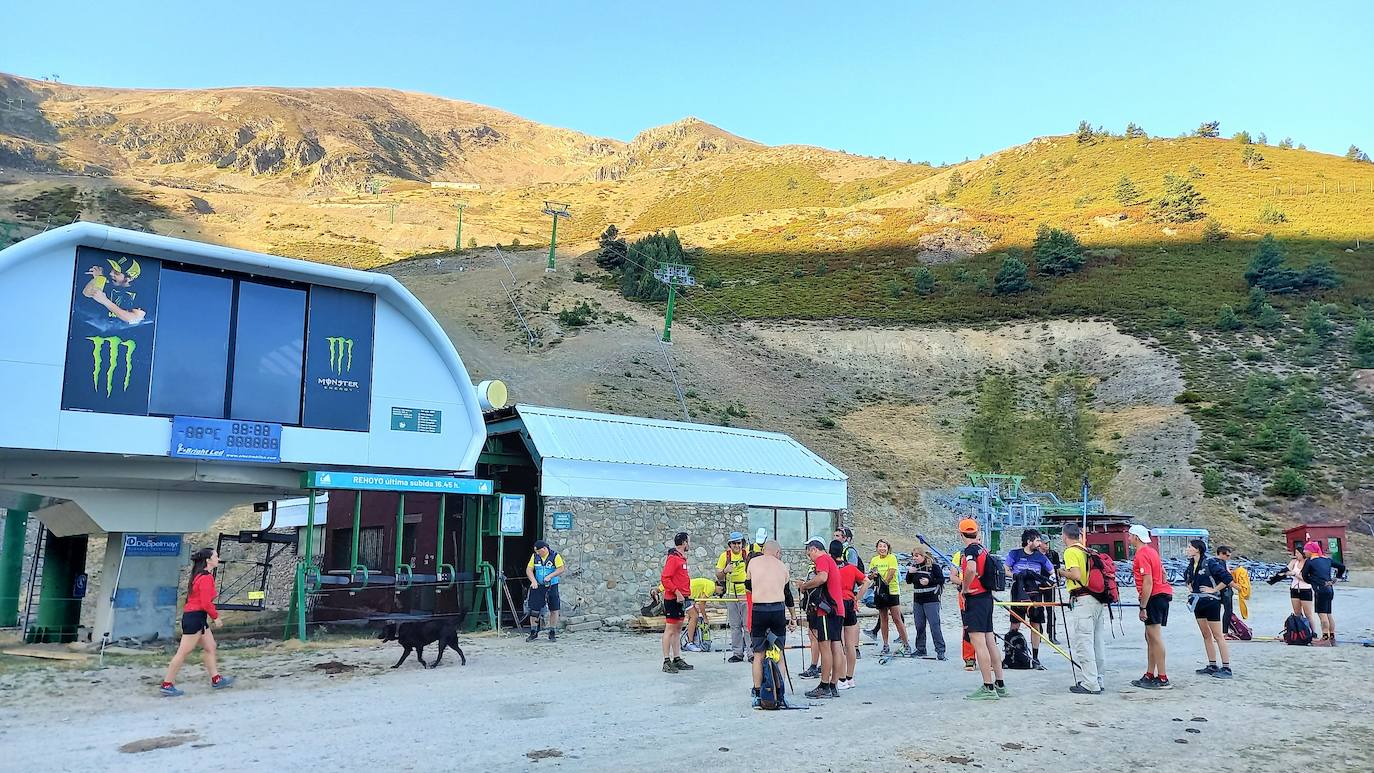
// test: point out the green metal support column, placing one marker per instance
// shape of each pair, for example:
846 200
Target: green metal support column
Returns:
553 239
298 599
357 526
12 566
668 320
59 613
458 240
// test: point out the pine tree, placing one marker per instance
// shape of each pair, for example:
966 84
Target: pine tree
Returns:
1227 319
1362 344
1056 252
1212 482
1319 275
1212 231
1180 202
1289 483
1012 277
613 249
925 281
1133 131
1355 154
1242 137
1262 139
991 435
1268 317
1317 324
956 184
1210 129
1126 192
1255 301
1085 132
1251 157
1299 454
1267 269
1286 143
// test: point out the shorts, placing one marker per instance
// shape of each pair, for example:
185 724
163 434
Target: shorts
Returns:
1157 609
672 610
883 599
195 622
851 615
1208 609
978 613
1301 594
1033 614
826 627
768 618
542 596
1324 599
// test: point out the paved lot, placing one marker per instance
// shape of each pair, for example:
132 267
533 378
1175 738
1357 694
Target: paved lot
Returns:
597 701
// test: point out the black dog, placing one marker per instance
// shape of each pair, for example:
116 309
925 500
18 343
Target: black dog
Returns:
418 634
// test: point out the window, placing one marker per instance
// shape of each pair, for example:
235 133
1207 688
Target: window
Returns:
369 549
269 344
792 527
1118 550
192 345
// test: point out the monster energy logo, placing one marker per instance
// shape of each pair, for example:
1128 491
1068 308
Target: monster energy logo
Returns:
104 346
340 354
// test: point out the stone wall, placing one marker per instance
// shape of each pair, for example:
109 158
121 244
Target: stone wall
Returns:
616 547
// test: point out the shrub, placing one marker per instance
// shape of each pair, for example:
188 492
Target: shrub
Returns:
1212 232
1362 344
1210 129
826 422
1251 157
1012 277
924 281
578 316
1180 202
1299 454
1271 215
472 243
1187 397
1126 192
1057 252
1288 483
1212 482
1252 355
1227 319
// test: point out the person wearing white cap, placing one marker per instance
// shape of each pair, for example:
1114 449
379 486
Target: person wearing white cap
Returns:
1155 595
730 569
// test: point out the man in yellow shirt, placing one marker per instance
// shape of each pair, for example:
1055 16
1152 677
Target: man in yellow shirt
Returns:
730 569
1086 613
703 588
543 571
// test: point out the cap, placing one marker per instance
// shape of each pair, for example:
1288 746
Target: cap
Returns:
1140 532
968 526
539 543
1313 547
817 544
736 536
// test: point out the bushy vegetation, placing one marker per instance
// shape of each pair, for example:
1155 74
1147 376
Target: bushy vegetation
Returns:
1268 271
633 264
1057 252
58 206
1180 202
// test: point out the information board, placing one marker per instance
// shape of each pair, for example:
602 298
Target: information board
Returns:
416 419
562 521
225 440
152 544
512 514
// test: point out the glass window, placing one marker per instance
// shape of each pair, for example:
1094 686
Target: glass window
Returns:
761 518
192 348
792 528
820 523
269 343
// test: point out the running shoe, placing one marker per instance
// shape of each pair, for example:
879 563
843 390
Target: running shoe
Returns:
969 665
818 692
735 659
884 651
669 668
1037 665
534 634
170 691
940 656
553 635
845 684
682 665
1079 689
1208 671
1223 673
222 682
1162 683
982 694
691 647
812 672
832 692
919 654
1146 682
1002 691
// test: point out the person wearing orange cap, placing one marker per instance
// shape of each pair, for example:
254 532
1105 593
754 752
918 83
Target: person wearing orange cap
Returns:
977 614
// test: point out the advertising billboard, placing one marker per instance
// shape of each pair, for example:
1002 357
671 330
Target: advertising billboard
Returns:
110 336
338 359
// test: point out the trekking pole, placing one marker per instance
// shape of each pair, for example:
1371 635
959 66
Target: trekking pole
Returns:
1068 636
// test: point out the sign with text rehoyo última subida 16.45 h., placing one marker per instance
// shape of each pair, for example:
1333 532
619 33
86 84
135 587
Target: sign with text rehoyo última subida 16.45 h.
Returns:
110 337
225 440
338 359
380 481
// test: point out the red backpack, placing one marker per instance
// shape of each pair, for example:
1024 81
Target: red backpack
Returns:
1101 583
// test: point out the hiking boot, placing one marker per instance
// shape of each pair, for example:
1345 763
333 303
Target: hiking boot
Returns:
940 656
682 665
1223 673
1079 689
1208 671
222 682
553 635
691 647
1037 665
170 691
982 694
1145 682
1002 691
812 672
534 634
818 692
669 667
832 692
735 659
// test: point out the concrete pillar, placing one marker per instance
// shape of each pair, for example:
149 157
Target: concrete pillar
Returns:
104 595
59 611
12 566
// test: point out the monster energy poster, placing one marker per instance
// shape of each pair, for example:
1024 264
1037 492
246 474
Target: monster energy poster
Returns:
338 359
110 339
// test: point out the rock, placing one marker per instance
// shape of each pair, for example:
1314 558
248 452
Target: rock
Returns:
588 626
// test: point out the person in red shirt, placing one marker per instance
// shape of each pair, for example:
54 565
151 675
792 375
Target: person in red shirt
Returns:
1155 595
851 577
826 616
195 623
677 589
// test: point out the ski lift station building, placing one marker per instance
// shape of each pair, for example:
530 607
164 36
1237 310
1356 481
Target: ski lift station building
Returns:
150 384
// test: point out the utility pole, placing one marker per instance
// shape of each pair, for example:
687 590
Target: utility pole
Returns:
393 213
458 240
673 275
555 210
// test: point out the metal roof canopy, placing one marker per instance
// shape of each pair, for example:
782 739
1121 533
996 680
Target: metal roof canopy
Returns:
601 455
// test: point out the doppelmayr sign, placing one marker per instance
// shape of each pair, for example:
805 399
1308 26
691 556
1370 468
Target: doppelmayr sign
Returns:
152 544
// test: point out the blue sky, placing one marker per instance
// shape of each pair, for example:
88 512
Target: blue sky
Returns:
931 81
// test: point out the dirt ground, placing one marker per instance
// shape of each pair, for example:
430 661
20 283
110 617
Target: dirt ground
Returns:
598 701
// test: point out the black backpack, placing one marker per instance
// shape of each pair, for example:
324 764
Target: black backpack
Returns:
771 690
1297 631
994 576
1015 653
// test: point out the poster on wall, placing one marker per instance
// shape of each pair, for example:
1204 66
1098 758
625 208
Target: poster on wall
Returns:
338 359
110 338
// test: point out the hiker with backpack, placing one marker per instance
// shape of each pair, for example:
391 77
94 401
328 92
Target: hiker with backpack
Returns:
853 584
773 611
730 569
1155 596
1031 576
1087 612
1320 571
927 579
825 614
1299 590
887 594
982 574
1207 578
